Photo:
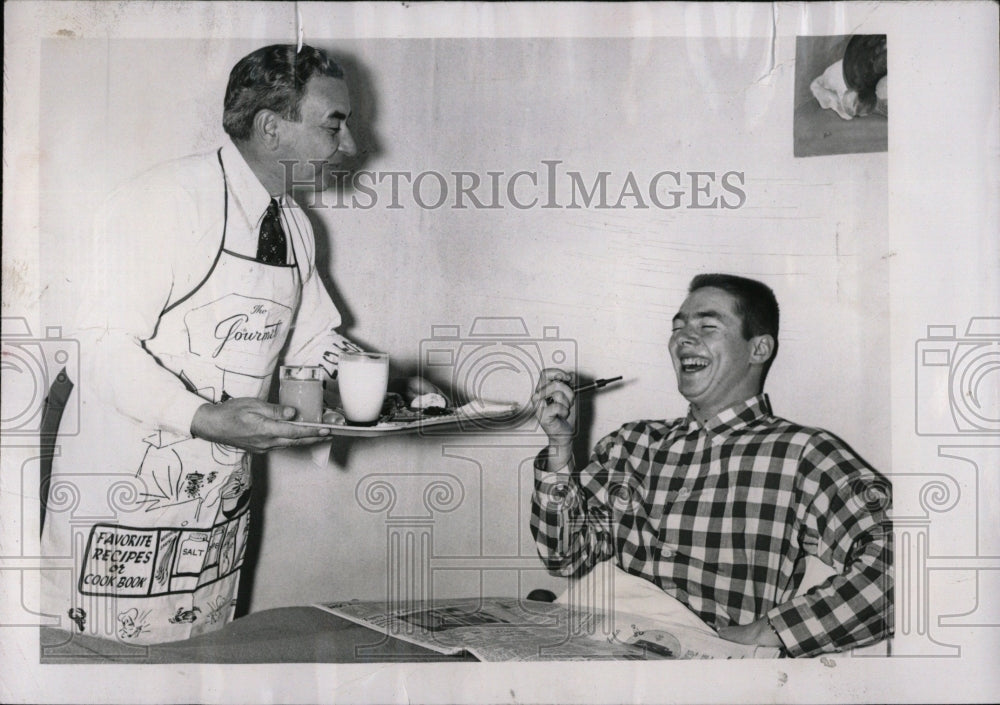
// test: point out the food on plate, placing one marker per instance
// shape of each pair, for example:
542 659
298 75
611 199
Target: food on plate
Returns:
393 402
436 411
396 410
429 401
422 406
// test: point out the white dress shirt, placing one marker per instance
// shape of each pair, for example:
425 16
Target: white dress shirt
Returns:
155 240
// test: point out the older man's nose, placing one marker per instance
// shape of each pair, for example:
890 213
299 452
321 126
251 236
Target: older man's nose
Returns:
347 144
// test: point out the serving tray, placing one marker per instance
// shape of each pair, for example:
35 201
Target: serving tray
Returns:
464 417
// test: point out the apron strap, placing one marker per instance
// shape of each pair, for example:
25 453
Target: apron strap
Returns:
291 244
222 244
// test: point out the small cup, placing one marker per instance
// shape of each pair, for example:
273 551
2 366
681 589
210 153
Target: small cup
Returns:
302 388
363 378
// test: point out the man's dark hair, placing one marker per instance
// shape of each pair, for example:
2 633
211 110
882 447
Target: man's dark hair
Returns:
755 304
271 78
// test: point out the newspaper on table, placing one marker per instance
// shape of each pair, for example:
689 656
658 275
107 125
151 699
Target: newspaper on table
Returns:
509 629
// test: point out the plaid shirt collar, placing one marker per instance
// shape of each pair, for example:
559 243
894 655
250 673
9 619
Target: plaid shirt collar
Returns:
732 418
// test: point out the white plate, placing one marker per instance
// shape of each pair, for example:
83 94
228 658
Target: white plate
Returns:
468 414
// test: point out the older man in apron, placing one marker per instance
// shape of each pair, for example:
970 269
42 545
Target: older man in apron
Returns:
149 502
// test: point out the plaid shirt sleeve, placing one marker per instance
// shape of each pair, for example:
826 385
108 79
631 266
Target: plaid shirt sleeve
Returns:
571 526
846 524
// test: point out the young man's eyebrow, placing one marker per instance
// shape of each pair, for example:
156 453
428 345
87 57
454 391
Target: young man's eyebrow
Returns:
337 115
708 313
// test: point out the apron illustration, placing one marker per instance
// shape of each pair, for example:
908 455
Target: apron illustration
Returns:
159 525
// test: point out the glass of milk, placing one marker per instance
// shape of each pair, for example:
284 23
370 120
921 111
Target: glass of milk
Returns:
363 378
302 387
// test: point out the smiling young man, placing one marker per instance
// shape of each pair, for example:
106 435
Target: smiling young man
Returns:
203 277
721 508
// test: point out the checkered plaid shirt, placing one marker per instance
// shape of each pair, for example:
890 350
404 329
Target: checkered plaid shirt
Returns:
721 515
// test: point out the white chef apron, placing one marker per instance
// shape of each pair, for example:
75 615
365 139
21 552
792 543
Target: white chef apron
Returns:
152 526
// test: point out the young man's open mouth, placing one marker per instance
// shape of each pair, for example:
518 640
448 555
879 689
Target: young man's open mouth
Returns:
694 363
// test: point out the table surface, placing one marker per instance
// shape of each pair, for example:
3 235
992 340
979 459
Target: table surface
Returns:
280 635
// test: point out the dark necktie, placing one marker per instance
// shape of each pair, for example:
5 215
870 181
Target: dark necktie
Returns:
272 247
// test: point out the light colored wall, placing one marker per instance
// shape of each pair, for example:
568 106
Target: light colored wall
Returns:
608 279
